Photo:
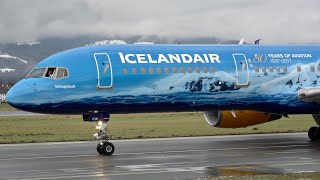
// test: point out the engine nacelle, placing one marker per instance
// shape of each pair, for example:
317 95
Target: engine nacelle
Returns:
238 118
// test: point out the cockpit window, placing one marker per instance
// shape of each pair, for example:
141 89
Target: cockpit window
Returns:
36 73
62 72
49 72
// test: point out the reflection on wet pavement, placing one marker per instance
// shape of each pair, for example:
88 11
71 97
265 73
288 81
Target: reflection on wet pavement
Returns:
242 170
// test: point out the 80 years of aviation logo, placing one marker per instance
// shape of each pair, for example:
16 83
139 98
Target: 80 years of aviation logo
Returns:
279 57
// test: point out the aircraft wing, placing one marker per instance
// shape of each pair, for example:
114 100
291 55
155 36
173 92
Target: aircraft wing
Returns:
309 95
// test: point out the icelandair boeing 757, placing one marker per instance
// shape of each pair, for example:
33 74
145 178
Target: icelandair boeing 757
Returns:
234 85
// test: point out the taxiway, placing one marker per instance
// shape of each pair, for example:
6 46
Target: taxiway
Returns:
172 158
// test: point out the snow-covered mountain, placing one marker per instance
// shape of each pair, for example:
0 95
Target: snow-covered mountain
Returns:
7 56
12 68
104 42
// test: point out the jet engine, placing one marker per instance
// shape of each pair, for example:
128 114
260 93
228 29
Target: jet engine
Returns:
238 118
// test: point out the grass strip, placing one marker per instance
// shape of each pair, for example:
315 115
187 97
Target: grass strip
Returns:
6 107
48 128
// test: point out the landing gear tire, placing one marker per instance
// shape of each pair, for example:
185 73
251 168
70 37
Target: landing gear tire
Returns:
99 148
108 148
313 133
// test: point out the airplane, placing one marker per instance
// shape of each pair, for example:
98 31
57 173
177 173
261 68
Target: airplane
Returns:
233 85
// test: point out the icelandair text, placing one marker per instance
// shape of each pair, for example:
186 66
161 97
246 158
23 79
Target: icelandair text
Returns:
169 58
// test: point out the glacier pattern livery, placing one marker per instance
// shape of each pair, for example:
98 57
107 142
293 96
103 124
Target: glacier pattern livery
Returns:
234 85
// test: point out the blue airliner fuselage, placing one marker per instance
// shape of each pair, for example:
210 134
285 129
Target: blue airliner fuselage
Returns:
162 78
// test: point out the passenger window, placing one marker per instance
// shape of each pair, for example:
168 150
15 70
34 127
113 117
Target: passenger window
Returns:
270 69
256 69
285 69
264 69
298 68
197 70
51 72
166 70
158 70
189 70
278 69
125 70
212 70
143 70
205 70
312 68
150 70
181 70
174 70
62 72
134 70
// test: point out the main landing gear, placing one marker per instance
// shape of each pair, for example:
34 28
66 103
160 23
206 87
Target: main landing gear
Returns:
104 147
314 133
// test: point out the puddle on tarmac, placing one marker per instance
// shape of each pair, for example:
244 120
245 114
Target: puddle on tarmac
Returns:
242 170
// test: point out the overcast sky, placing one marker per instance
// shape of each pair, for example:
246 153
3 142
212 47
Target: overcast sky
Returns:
275 21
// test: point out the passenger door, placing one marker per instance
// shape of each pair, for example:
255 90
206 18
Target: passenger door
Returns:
104 70
242 70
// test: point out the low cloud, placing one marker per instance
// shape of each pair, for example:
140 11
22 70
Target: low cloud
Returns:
286 21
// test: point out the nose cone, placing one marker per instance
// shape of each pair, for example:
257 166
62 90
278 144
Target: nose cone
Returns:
11 96
16 96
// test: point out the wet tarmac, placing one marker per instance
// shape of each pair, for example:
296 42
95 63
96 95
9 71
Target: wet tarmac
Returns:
174 158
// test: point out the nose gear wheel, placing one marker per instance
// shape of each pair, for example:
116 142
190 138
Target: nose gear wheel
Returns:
104 147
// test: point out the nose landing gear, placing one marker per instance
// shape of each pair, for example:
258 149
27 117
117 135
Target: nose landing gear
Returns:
104 147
